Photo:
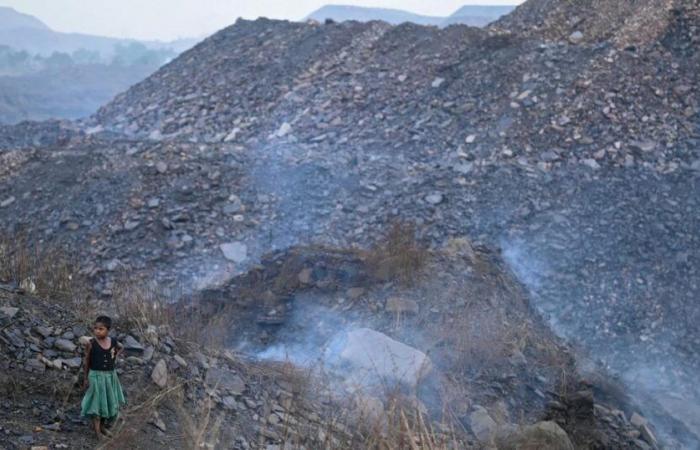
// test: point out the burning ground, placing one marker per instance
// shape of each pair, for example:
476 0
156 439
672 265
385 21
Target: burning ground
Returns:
392 347
574 160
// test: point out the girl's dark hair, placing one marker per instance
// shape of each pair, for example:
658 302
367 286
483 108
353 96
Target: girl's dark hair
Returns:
104 320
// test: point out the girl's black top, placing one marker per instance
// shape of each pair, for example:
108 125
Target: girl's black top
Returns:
101 359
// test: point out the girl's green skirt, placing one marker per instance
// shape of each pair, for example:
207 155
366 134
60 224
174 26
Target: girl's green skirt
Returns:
104 397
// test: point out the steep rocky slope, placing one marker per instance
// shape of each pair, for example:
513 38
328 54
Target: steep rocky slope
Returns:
625 22
578 158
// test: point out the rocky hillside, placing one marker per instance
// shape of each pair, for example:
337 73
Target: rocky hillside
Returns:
568 151
625 22
342 13
477 15
472 15
185 391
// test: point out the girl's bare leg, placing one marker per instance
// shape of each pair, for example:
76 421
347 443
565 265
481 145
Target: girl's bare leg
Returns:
104 429
96 424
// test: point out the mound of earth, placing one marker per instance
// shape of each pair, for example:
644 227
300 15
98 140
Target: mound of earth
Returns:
577 157
625 22
493 364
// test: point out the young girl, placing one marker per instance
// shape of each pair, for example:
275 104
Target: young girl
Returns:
104 394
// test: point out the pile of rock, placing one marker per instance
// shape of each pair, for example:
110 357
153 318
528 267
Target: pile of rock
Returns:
626 22
548 143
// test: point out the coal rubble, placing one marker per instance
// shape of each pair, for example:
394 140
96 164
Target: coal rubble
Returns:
563 141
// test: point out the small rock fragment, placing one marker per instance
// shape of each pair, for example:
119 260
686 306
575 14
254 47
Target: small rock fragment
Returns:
235 251
160 374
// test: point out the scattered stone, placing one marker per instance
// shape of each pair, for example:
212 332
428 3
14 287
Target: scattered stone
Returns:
576 37
592 163
7 202
229 402
28 286
113 265
637 420
73 363
161 167
434 199
644 146
235 251
283 130
45 331
65 345
482 425
131 225
305 276
180 360
157 422
160 374
225 380
148 353
355 292
232 135
132 345
542 436
437 82
9 311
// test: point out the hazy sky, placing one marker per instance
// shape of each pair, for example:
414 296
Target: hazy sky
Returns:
170 19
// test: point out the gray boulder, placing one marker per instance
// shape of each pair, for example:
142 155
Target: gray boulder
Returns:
374 357
160 374
235 251
225 380
65 345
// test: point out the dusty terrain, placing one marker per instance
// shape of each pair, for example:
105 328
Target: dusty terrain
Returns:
567 153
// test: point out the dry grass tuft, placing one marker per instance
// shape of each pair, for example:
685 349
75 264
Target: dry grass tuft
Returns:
142 306
398 256
42 270
200 424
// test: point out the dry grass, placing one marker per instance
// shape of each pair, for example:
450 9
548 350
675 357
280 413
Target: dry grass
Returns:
403 426
200 425
128 432
43 270
398 256
141 305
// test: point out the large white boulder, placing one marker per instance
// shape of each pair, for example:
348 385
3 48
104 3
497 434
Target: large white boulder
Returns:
373 358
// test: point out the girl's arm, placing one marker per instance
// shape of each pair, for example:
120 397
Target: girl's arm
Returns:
120 349
86 365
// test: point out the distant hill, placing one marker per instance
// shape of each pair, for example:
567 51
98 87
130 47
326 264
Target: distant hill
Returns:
24 32
48 74
477 15
474 15
12 20
342 13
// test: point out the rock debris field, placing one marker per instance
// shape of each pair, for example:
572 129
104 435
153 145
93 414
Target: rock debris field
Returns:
562 140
